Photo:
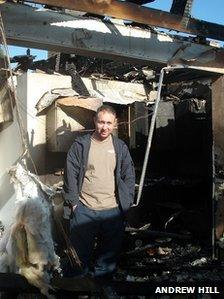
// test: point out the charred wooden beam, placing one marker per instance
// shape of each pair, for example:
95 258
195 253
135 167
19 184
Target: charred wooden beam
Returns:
181 7
142 271
12 282
136 13
50 30
146 233
140 2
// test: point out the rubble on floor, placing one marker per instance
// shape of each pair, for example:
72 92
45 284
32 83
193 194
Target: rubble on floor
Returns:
166 260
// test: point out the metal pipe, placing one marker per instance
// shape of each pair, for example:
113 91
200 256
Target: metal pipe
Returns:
151 129
149 141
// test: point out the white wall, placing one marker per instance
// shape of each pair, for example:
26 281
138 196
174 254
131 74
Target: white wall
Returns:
37 85
10 151
30 87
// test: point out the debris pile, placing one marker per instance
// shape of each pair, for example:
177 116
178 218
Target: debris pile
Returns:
168 260
27 246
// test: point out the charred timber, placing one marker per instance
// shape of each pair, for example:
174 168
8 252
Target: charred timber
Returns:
181 7
143 271
143 15
157 234
15 283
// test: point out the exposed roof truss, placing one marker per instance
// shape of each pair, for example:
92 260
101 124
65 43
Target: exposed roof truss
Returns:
144 15
58 31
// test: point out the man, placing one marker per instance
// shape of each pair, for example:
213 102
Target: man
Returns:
99 183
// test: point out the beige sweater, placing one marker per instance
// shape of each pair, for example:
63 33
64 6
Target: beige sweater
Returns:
98 190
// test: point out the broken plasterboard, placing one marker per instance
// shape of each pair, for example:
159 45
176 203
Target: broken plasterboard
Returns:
110 91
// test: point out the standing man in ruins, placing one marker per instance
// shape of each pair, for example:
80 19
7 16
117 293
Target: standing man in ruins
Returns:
99 184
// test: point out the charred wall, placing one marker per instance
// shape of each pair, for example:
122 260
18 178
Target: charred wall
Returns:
218 129
177 194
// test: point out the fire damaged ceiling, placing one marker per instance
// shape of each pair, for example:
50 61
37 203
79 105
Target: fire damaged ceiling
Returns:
180 20
109 39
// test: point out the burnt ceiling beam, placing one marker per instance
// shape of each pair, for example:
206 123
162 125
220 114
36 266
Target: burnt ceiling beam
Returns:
137 13
181 7
57 31
140 2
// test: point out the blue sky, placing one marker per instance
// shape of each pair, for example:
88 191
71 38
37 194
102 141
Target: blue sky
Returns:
208 10
211 11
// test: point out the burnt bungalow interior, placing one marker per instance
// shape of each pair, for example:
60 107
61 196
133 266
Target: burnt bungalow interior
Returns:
171 228
170 234
173 223
177 194
169 237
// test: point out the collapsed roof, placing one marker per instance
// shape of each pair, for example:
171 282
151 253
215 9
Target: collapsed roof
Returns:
112 38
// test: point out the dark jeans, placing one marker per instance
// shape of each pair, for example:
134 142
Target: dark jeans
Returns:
99 233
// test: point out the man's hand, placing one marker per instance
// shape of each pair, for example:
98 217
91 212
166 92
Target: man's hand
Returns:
68 211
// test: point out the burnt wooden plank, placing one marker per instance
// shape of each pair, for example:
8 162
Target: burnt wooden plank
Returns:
181 7
144 15
12 281
151 233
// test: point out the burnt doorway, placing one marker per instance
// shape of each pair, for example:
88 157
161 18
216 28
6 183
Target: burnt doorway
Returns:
177 193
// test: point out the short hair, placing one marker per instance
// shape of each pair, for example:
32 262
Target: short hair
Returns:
106 108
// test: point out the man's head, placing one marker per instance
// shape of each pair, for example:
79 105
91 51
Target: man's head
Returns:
105 121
